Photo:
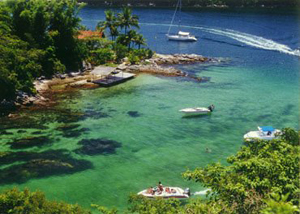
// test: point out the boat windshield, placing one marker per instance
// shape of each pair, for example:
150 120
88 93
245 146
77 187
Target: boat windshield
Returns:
267 128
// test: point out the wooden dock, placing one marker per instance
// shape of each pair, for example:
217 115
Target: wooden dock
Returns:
114 79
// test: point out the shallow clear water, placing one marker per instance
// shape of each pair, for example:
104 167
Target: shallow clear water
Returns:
258 86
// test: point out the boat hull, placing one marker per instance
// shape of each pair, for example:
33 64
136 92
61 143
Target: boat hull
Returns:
256 135
182 38
195 111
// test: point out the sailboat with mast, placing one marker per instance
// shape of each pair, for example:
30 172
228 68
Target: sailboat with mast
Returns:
180 36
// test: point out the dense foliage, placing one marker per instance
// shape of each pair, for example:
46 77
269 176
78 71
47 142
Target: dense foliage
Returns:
37 38
40 38
124 39
15 201
200 3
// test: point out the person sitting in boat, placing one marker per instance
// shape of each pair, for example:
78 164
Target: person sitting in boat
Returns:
150 191
168 190
160 186
269 133
173 190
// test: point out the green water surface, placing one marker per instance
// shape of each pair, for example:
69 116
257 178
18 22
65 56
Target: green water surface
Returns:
157 143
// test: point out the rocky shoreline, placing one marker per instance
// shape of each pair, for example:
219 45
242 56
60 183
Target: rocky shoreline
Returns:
159 64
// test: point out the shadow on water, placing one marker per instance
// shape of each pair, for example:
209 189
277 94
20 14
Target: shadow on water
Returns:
22 122
134 114
94 114
288 109
263 117
29 142
98 147
197 116
39 165
71 130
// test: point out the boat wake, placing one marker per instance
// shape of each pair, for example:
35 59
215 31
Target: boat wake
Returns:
254 41
245 38
203 192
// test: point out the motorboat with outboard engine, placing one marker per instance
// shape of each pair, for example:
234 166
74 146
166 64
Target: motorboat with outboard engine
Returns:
263 133
167 192
198 110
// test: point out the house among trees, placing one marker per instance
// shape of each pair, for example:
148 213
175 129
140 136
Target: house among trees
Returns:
84 34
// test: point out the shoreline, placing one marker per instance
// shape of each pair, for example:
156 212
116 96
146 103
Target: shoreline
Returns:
222 6
159 64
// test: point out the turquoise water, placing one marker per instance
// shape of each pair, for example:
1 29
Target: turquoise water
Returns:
256 87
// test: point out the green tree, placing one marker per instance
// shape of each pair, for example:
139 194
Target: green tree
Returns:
278 204
110 23
290 135
120 51
65 22
15 201
256 171
37 38
139 40
142 205
126 20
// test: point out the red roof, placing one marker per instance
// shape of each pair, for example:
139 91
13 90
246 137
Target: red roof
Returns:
89 34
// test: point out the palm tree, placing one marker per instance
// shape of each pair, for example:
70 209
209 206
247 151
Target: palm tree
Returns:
131 37
127 39
139 40
126 19
110 23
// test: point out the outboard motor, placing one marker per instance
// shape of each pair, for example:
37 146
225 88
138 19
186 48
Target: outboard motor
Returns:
187 191
211 108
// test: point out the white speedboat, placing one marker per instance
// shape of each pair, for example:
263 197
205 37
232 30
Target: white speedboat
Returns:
168 192
263 133
182 36
198 110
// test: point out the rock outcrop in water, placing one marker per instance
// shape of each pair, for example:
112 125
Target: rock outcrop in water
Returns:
161 65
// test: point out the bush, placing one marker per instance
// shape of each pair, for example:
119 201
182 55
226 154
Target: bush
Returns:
15 201
101 56
121 52
8 83
133 58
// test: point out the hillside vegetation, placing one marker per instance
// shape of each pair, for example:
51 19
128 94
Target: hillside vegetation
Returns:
200 3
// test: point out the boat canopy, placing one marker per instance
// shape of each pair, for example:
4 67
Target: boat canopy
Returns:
267 128
181 33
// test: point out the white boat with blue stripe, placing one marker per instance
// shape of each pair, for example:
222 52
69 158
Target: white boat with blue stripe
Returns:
263 133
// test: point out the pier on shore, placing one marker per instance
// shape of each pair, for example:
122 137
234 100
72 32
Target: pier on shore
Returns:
109 76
